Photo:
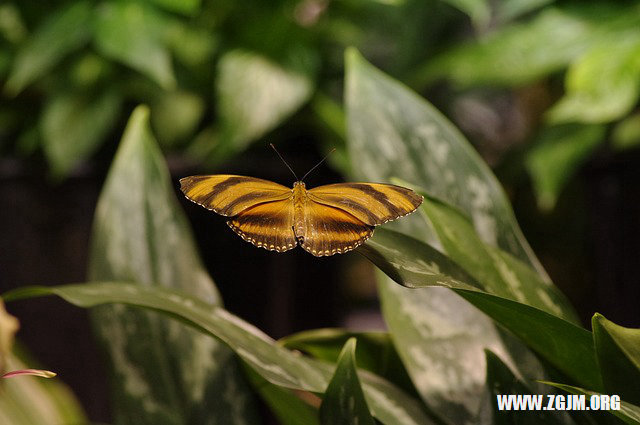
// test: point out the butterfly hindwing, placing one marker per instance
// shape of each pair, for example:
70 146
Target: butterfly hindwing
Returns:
372 203
329 230
228 195
268 225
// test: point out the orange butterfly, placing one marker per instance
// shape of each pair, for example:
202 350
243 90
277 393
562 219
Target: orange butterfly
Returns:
325 220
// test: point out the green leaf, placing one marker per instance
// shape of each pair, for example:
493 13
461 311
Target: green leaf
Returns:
478 10
414 264
628 412
395 133
176 115
255 94
288 408
34 401
626 133
165 373
510 9
604 84
344 402
60 34
441 338
74 124
498 272
132 33
376 352
186 7
557 155
516 54
278 365
618 350
502 381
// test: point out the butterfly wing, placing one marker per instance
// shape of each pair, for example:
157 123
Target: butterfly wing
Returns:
371 203
329 230
268 225
228 195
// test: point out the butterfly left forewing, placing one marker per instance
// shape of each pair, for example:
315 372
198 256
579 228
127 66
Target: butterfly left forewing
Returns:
268 225
228 194
329 230
372 203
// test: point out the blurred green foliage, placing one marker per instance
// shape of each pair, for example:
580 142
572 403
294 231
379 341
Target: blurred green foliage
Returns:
219 75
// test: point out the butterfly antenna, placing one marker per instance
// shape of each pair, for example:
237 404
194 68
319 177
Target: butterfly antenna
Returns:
318 164
285 162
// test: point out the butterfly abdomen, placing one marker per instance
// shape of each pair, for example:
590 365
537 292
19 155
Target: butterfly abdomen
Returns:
299 201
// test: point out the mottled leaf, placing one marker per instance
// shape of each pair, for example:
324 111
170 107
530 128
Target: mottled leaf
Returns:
395 133
618 350
392 132
497 271
343 402
502 381
278 365
414 264
628 412
60 34
164 372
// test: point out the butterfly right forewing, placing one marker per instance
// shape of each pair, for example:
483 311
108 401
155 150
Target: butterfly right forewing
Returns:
372 203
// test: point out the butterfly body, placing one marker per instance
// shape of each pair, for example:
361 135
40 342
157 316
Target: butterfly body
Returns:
325 220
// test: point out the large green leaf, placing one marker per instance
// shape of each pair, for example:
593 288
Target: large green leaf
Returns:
60 34
394 133
74 124
164 372
498 272
255 94
558 152
344 402
501 381
628 412
441 340
278 365
604 84
414 264
132 33
618 350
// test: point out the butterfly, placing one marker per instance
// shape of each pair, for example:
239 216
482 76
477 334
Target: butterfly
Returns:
325 220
